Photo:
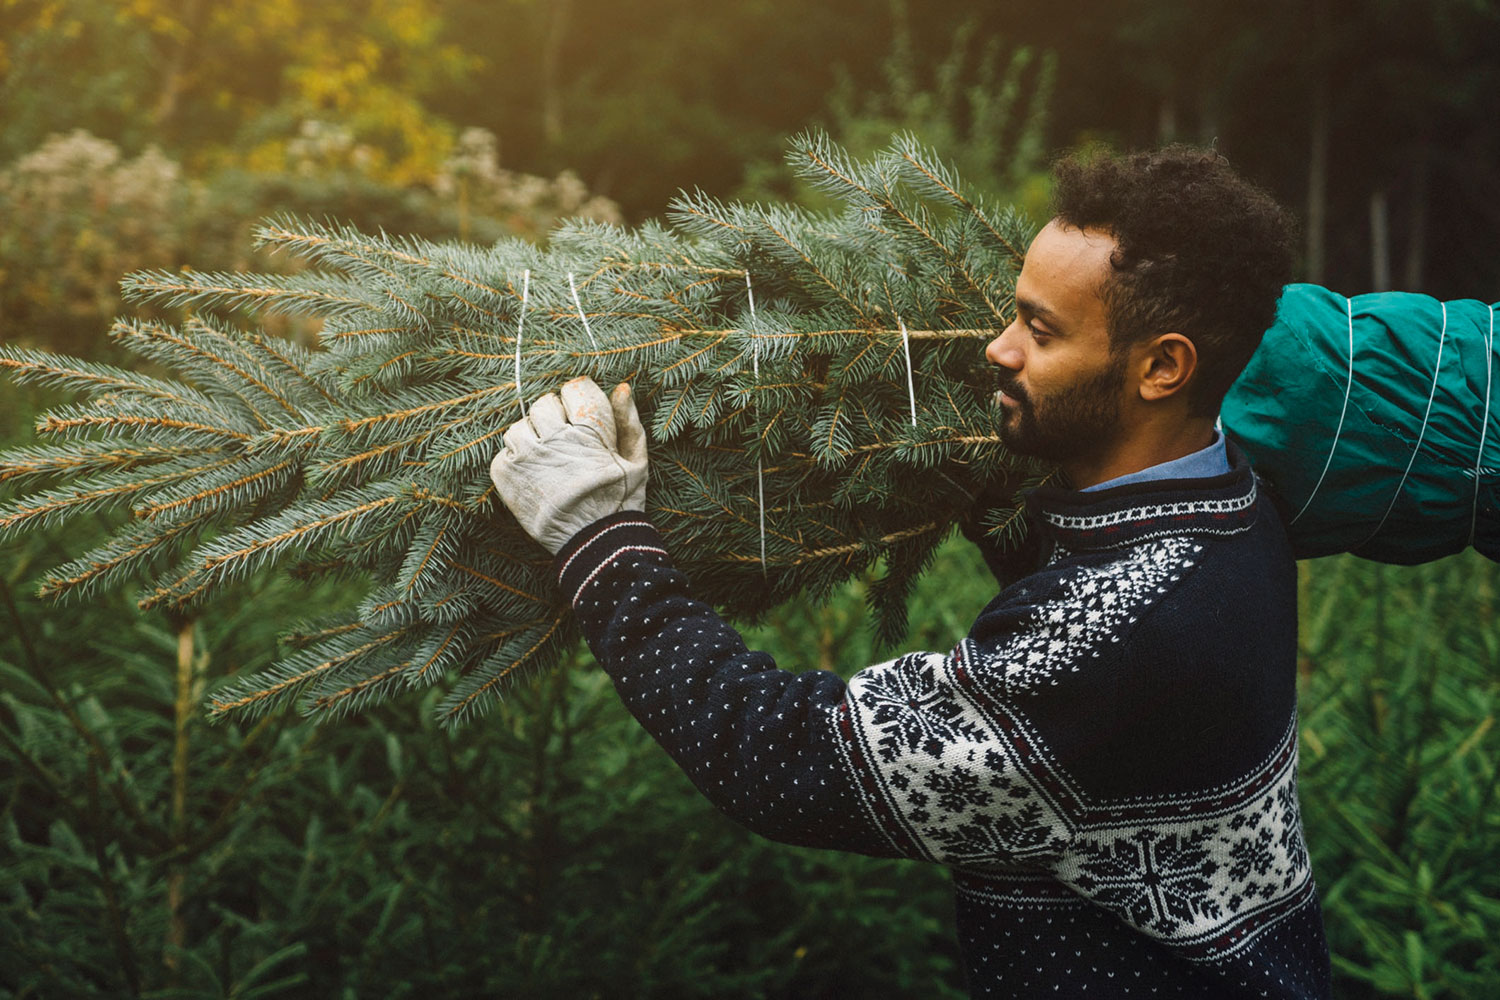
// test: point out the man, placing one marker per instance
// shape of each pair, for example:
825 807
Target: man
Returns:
1107 762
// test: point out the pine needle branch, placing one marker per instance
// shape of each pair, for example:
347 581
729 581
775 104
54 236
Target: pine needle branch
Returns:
848 399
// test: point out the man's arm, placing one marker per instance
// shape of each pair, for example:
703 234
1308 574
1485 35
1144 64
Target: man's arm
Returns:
758 742
918 757
911 758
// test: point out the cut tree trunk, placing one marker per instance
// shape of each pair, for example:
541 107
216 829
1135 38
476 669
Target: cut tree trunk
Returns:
1380 242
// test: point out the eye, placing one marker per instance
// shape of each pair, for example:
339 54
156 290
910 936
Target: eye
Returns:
1037 333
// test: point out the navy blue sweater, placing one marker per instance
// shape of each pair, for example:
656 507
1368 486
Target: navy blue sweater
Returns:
1107 762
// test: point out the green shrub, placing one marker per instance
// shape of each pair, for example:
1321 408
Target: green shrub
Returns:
1399 771
554 851
78 214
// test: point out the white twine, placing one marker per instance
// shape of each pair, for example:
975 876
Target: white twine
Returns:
754 337
1348 385
911 388
521 325
581 315
1484 422
1432 393
760 477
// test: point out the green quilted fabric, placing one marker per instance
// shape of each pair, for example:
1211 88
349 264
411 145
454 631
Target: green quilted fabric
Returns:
1371 418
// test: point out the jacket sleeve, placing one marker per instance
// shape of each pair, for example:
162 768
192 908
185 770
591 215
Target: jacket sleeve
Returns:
910 758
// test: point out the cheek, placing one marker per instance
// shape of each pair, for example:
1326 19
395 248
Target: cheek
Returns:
1042 371
1057 365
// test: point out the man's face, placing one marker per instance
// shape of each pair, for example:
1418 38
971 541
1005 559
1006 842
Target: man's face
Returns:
1060 384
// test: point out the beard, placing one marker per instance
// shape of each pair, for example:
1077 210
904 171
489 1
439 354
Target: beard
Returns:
1074 422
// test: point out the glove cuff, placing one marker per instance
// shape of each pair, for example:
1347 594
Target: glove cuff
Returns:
588 552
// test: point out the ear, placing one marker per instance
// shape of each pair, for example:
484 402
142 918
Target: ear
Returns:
1166 365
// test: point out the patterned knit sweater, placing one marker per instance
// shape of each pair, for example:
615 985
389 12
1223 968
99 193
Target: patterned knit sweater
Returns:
1107 762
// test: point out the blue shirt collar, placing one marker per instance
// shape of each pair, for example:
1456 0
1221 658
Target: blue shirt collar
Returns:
1212 460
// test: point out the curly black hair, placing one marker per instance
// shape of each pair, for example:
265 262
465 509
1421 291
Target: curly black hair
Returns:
1201 252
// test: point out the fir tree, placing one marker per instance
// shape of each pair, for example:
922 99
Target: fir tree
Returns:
813 384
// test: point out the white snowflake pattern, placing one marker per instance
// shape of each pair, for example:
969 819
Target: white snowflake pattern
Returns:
1157 880
1197 882
1090 614
945 770
913 709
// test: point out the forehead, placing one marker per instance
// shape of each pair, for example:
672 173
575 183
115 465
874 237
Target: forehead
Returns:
1064 272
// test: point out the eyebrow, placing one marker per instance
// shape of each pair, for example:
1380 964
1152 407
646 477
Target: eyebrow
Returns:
1040 311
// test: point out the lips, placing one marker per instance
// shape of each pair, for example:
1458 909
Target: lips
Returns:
1009 395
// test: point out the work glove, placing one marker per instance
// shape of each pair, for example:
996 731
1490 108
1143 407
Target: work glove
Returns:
575 457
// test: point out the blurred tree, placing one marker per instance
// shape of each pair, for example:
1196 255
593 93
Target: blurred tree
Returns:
1338 106
203 78
1351 109
1422 121
987 113
653 96
54 74
79 212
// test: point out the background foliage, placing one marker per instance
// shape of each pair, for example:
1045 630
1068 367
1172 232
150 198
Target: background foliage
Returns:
553 851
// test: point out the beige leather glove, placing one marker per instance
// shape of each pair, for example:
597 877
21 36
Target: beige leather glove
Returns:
576 456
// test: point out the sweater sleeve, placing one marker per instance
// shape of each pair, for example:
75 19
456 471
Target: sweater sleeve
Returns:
909 758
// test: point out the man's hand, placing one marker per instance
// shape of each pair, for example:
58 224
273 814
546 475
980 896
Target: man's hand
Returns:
575 457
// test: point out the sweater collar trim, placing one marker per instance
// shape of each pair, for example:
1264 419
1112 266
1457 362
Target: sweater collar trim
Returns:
1122 515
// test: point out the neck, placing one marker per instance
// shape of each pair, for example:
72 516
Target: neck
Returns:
1151 446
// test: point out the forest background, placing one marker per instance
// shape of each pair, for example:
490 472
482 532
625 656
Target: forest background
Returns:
550 849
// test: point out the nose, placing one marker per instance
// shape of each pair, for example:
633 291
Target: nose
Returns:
1005 350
